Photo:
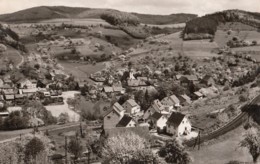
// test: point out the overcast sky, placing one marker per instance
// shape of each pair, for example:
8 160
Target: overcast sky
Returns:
200 7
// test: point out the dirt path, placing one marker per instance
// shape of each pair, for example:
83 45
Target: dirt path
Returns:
21 62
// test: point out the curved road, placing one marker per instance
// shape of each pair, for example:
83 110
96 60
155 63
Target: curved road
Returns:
226 128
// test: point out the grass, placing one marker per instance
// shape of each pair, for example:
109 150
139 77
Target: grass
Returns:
222 150
81 71
11 54
221 37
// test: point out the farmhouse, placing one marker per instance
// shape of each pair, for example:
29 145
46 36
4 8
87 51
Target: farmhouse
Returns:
185 100
156 106
207 80
27 84
113 116
126 121
131 106
178 124
171 101
158 121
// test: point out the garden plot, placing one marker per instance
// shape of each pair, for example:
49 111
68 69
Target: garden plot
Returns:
56 110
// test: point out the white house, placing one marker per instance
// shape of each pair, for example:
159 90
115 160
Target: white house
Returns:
127 121
113 116
158 121
178 125
27 84
171 102
131 106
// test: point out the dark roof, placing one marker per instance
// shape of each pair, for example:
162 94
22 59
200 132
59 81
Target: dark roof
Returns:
156 116
175 119
142 131
124 121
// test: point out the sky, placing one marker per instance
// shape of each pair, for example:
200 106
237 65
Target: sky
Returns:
200 7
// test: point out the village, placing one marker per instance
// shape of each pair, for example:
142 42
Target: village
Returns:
118 87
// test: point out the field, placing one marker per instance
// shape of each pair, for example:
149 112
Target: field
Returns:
10 55
81 71
177 25
223 150
82 22
221 37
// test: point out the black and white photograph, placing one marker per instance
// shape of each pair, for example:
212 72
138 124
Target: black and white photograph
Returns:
129 82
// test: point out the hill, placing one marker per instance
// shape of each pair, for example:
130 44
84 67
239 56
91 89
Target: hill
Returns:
45 12
165 19
208 24
11 38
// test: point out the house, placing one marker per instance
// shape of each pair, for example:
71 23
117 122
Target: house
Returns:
29 92
171 101
19 98
27 84
7 81
14 108
137 84
108 90
126 121
185 100
9 98
207 80
113 116
156 106
185 80
178 124
198 95
158 121
131 106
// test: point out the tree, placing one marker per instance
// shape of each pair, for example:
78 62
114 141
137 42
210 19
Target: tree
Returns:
174 152
64 118
75 147
32 149
252 143
127 147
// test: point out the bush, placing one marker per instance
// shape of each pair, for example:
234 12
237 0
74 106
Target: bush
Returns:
243 98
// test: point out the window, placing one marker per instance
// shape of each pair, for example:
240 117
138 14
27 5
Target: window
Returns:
108 117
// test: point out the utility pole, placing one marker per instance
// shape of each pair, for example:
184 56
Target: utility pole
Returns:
199 141
66 159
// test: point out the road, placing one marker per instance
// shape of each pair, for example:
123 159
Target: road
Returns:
13 135
236 122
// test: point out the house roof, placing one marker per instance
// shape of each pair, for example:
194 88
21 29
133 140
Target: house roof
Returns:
185 97
117 88
175 119
192 77
198 94
189 77
19 96
9 97
124 121
157 105
8 92
174 99
156 116
133 83
31 90
14 108
132 102
118 107
108 89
